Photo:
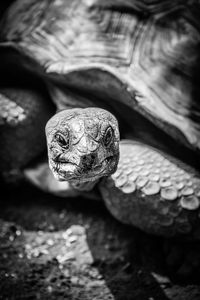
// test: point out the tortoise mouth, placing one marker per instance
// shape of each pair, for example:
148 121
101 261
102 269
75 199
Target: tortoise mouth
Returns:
70 171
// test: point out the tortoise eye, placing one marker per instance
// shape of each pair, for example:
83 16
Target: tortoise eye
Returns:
62 141
108 136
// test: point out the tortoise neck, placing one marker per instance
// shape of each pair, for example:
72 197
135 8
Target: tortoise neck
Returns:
84 186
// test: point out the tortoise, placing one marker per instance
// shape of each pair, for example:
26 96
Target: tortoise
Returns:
117 84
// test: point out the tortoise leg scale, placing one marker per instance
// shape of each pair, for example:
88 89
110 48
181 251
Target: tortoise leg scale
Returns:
154 191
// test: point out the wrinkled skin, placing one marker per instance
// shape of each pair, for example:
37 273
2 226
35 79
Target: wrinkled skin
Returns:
144 57
83 144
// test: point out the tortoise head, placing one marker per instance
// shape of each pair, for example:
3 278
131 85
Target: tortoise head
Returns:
83 144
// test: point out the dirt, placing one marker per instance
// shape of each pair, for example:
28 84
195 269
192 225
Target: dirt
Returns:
53 248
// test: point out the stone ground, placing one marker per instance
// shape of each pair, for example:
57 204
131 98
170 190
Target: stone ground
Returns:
51 248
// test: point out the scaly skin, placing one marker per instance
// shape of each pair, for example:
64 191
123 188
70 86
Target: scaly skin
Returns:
150 189
141 55
154 191
23 115
83 145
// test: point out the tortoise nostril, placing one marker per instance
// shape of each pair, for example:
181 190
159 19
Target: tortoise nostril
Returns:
88 160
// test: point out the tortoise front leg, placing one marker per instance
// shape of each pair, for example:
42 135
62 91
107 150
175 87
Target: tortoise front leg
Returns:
154 192
23 115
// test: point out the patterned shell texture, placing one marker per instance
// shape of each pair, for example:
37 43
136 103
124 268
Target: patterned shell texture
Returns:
151 46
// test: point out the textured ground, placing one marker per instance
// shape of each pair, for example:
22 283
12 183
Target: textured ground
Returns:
56 249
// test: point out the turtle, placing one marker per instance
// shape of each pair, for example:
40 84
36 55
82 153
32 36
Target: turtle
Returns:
114 85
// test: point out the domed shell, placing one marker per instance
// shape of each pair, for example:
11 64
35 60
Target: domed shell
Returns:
144 53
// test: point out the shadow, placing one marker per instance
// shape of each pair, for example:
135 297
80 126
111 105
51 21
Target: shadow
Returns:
195 104
130 262
4 5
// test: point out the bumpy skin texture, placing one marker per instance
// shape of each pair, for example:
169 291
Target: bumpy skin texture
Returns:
141 54
150 189
153 191
83 144
23 115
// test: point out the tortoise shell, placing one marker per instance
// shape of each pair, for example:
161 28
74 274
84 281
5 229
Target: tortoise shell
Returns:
144 54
